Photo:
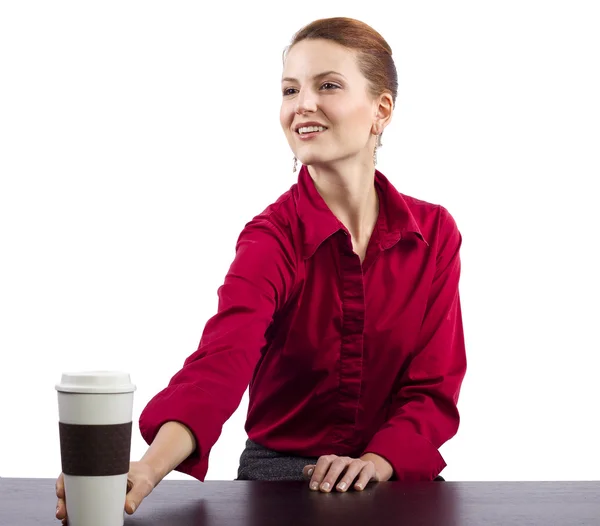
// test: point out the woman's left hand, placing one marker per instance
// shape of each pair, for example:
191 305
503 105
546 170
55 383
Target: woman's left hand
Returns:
324 475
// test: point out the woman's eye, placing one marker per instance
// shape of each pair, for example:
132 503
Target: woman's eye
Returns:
327 85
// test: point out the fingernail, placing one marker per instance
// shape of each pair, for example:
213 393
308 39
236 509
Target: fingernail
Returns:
57 508
314 485
358 486
132 507
342 486
325 486
310 472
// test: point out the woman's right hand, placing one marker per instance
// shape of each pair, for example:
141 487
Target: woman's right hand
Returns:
141 480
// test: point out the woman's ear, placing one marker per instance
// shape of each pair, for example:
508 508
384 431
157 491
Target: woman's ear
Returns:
384 111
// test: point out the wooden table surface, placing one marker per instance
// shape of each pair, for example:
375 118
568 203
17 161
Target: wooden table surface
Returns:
28 502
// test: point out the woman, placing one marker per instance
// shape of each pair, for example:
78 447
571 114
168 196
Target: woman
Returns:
340 310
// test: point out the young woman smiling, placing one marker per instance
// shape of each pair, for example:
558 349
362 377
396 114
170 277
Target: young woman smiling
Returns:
341 309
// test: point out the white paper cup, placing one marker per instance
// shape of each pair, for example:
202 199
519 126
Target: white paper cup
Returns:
95 421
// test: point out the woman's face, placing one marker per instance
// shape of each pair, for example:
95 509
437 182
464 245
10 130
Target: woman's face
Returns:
321 83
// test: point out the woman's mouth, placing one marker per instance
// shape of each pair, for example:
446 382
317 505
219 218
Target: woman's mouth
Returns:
308 132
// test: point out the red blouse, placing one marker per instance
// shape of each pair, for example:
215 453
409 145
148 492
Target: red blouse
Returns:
341 357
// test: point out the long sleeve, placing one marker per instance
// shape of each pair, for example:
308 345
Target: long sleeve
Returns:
424 411
210 385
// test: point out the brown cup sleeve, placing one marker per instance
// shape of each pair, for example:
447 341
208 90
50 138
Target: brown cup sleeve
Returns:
95 450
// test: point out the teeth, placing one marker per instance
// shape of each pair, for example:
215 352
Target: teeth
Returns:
309 129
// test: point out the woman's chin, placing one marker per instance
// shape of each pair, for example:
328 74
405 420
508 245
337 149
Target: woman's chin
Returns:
312 160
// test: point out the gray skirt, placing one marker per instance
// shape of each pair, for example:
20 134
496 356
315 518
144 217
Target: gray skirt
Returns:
260 463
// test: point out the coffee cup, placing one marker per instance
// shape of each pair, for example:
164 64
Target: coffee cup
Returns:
95 422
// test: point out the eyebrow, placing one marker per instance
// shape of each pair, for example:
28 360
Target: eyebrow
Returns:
318 75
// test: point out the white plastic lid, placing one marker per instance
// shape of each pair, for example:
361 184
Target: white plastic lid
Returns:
96 382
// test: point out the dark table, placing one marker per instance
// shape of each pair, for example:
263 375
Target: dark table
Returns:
28 502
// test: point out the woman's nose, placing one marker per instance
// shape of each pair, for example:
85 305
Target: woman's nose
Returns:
305 102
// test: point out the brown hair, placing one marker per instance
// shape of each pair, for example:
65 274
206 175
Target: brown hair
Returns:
374 55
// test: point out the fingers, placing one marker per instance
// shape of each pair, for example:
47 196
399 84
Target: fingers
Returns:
60 486
130 506
139 491
61 508
327 471
336 468
352 471
321 468
366 474
308 471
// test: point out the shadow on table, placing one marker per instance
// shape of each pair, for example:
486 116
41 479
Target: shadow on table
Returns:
192 513
422 503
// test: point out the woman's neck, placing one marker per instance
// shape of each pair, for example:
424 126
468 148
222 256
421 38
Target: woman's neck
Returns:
351 197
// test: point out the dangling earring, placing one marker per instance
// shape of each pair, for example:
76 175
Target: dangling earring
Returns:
377 145
295 164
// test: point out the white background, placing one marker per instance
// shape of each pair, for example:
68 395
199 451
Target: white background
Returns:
138 138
